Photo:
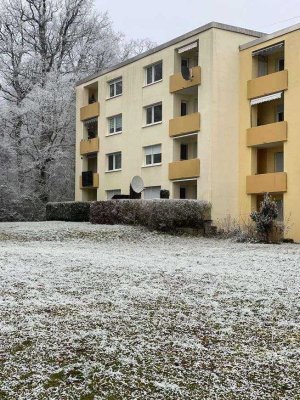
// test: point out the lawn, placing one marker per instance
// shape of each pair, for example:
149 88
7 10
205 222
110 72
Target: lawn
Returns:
110 312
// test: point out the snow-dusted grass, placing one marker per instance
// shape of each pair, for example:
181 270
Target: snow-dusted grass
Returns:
116 312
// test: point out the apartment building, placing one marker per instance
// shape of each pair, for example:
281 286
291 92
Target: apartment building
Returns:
171 116
270 124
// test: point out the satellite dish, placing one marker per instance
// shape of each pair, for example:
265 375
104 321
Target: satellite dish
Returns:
137 184
186 73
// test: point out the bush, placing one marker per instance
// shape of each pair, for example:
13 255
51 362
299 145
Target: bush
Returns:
75 211
162 215
164 194
267 230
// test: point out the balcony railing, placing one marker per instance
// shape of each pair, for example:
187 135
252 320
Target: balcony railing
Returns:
266 134
184 169
177 82
267 183
90 111
89 180
268 84
89 146
184 125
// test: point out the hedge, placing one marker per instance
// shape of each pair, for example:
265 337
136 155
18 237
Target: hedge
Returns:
162 215
69 211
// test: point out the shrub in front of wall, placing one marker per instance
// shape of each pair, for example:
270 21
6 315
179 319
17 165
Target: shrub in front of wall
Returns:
162 215
112 212
265 220
75 211
169 215
164 194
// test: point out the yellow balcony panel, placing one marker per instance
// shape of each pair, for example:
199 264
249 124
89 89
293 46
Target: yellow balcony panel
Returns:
90 111
184 169
183 125
95 182
268 84
89 146
267 183
266 134
177 82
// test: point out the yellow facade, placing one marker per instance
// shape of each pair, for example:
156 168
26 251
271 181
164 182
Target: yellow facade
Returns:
210 93
265 132
227 99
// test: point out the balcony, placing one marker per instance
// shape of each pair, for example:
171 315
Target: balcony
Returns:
184 169
266 134
89 146
268 84
89 180
177 82
183 125
90 111
267 183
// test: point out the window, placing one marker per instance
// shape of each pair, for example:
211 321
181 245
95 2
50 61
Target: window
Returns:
114 161
183 152
262 66
111 193
115 124
91 127
280 64
279 162
182 193
152 154
92 98
184 108
152 192
279 113
279 203
115 88
154 73
185 62
154 114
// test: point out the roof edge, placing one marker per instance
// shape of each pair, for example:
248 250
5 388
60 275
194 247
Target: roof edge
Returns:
171 42
270 36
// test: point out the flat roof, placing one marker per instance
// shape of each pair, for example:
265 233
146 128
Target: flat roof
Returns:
163 46
270 36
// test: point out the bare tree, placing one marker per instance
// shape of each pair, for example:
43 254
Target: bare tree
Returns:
45 46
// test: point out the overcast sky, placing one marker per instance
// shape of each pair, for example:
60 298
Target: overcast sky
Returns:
161 20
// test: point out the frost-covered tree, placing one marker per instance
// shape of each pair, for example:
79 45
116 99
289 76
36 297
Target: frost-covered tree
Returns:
45 47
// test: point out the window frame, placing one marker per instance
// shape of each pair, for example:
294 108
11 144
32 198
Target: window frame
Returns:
114 154
152 107
113 83
152 155
152 66
114 118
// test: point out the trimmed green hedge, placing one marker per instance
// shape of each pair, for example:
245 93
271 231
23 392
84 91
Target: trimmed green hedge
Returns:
76 211
162 215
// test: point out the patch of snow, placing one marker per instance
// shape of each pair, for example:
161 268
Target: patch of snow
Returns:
120 312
